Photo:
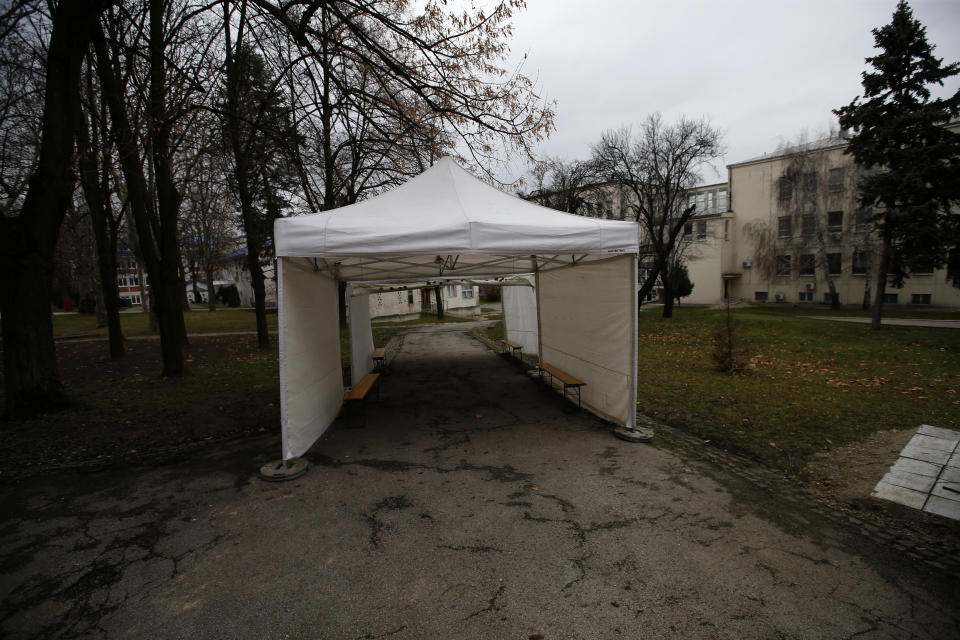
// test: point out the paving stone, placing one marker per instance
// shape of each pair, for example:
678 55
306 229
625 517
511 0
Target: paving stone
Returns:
910 481
906 465
900 495
925 454
938 432
943 507
935 443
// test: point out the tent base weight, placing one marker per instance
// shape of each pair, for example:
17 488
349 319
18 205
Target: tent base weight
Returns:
633 435
282 470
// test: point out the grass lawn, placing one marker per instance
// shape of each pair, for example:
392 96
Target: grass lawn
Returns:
135 323
811 384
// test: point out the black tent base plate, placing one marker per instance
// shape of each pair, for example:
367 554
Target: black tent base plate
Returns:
633 435
282 470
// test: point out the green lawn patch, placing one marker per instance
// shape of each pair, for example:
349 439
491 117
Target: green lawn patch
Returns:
811 384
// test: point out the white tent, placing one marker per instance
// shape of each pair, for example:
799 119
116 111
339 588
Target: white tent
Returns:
446 224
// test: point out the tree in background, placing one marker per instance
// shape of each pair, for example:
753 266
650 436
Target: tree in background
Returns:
657 166
565 186
680 285
911 161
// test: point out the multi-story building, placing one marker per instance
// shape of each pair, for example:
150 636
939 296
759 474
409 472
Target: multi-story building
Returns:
798 234
132 284
785 228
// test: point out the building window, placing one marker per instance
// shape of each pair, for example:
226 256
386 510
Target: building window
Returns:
783 265
786 188
810 182
722 200
837 177
890 298
835 221
702 230
760 296
688 229
466 291
410 297
863 220
451 291
134 281
861 262
808 225
922 267
920 298
726 229
834 263
784 227
807 264
805 296
136 299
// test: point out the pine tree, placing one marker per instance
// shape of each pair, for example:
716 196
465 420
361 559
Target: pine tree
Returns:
911 161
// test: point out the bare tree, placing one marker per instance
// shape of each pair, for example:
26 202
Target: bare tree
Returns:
657 166
567 186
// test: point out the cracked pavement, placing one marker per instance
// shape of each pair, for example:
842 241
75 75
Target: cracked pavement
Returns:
471 506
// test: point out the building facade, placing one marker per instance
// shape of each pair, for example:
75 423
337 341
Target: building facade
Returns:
799 234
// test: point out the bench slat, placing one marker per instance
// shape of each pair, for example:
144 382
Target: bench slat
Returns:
379 354
561 375
362 388
511 344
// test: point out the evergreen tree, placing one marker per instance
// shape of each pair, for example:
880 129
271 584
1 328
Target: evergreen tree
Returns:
680 285
911 161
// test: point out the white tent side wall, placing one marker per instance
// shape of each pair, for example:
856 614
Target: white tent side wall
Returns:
520 316
587 320
361 336
311 378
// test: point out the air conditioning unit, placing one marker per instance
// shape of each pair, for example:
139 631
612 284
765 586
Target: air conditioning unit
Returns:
747 264
811 286
779 297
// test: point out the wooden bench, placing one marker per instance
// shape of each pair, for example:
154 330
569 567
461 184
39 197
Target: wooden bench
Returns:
504 344
565 378
379 356
358 393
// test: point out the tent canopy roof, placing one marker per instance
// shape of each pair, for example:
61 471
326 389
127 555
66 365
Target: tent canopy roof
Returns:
447 223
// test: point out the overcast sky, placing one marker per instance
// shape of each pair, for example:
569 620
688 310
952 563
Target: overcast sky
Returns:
762 70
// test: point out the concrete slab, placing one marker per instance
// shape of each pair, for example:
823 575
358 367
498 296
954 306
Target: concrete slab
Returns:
918 467
916 452
927 474
935 443
910 481
886 491
937 432
942 507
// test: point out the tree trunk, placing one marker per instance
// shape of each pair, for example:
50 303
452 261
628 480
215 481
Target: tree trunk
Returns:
667 292
877 310
31 377
436 294
106 251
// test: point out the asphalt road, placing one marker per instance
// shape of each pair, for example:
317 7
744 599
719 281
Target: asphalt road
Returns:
471 506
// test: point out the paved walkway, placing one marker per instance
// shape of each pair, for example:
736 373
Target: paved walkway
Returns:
471 506
895 322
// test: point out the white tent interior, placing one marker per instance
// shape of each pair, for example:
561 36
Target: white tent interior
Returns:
446 224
